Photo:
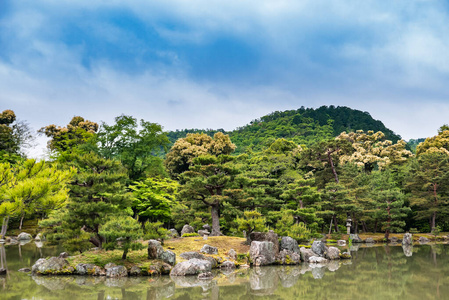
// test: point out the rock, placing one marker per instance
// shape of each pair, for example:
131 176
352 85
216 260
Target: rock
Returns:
191 267
109 265
317 259
38 237
407 239
341 243
154 249
173 233
23 236
290 244
135 271
408 250
117 271
205 276
269 236
168 256
209 249
319 248
63 255
52 266
158 268
423 240
332 253
287 257
369 241
89 269
345 255
192 254
13 241
394 239
207 227
355 238
232 254
227 264
3 271
187 229
25 270
262 253
306 254
203 232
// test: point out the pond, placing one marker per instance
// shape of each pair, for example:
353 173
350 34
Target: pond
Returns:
377 272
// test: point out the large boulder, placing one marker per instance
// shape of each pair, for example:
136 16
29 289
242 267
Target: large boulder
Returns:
116 271
52 266
319 248
38 237
191 267
262 253
290 244
173 233
369 241
306 254
23 236
89 269
269 236
332 253
423 240
135 271
209 249
155 251
287 257
227 264
232 254
407 239
394 239
355 238
168 256
187 229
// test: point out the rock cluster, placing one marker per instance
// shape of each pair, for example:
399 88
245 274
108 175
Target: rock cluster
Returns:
155 251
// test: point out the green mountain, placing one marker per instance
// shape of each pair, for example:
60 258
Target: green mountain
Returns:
304 126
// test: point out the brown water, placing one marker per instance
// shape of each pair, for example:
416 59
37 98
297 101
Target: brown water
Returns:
379 272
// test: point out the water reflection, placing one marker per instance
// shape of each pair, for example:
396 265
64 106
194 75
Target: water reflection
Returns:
390 272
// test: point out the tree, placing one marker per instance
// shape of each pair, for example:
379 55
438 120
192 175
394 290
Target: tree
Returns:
287 226
428 183
182 153
31 188
439 141
76 134
252 221
134 144
154 198
206 183
121 232
14 136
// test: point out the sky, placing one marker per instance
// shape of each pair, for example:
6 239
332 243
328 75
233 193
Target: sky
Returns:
221 64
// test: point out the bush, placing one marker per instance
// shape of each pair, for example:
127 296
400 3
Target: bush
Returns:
155 231
190 234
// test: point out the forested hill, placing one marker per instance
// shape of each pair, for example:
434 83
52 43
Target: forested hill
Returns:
303 126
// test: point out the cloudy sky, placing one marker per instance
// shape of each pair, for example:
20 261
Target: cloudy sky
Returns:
220 64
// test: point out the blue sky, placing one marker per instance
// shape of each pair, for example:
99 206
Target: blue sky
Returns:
220 64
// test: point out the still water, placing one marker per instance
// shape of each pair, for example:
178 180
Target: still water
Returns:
378 272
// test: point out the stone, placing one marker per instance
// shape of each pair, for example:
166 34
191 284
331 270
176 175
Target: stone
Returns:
355 238
191 267
192 254
13 241
187 229
135 271
287 257
109 265
345 255
203 232
89 269
52 266
207 227
341 243
168 256
154 249
227 264
262 253
290 244
423 240
232 254
209 249
117 271
23 236
407 239
332 253
38 237
306 254
173 233
394 239
319 248
25 270
269 236
369 241
317 259
205 276
63 255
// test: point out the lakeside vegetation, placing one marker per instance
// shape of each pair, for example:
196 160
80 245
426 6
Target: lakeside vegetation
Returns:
300 173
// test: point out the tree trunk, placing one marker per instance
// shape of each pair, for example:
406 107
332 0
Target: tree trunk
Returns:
214 210
21 221
125 253
375 226
365 229
335 223
4 227
331 163
434 217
